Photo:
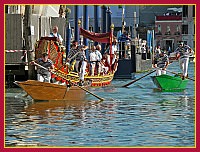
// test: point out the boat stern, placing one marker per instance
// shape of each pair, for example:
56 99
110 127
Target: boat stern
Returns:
170 83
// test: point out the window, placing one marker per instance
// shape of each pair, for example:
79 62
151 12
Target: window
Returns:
184 29
168 28
159 28
193 11
185 10
177 28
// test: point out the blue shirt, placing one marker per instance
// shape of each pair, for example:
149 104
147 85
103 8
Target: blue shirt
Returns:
123 38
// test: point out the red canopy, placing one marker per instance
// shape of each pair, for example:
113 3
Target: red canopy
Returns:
97 37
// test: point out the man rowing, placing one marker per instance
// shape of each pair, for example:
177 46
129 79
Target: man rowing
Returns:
44 75
161 61
182 53
78 52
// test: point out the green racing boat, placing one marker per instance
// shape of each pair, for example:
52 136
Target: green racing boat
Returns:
170 83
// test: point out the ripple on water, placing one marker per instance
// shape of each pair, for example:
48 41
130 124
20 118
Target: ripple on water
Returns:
133 116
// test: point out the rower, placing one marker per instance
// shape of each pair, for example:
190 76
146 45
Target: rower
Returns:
73 51
161 61
182 53
44 75
82 63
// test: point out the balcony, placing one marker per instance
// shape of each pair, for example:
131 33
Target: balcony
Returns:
168 18
158 33
168 33
177 33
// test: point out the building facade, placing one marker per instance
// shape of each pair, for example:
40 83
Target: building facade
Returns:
171 28
168 31
188 25
137 20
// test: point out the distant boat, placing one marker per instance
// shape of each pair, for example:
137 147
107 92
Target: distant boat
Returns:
170 83
49 91
172 57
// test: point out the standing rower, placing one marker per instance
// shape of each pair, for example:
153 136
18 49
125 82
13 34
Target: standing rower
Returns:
161 61
182 53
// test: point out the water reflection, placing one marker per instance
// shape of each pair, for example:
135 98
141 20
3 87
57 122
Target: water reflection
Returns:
53 108
46 123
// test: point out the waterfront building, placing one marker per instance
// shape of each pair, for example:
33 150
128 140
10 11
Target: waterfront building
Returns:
175 26
168 31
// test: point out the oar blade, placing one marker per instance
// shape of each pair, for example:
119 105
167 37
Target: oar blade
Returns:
90 93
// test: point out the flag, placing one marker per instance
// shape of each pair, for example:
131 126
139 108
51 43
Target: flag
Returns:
149 39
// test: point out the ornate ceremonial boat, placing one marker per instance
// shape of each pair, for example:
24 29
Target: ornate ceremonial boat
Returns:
170 83
57 55
63 75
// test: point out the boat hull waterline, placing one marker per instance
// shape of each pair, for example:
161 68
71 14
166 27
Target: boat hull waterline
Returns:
49 91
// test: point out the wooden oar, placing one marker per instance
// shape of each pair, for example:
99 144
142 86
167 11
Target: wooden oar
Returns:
178 74
138 79
72 83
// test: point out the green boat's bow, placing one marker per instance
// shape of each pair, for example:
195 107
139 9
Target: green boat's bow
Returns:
170 83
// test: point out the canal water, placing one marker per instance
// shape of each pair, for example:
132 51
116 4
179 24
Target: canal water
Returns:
137 116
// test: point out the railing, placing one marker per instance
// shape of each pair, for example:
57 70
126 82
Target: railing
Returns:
124 50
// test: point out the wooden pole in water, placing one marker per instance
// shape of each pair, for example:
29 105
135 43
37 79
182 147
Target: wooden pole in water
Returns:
28 35
126 85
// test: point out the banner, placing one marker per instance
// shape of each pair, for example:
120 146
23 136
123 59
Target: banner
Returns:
97 37
150 39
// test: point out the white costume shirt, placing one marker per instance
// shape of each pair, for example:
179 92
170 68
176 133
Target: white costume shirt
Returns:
114 49
98 55
93 57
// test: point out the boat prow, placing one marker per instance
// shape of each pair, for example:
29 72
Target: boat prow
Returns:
49 91
170 83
